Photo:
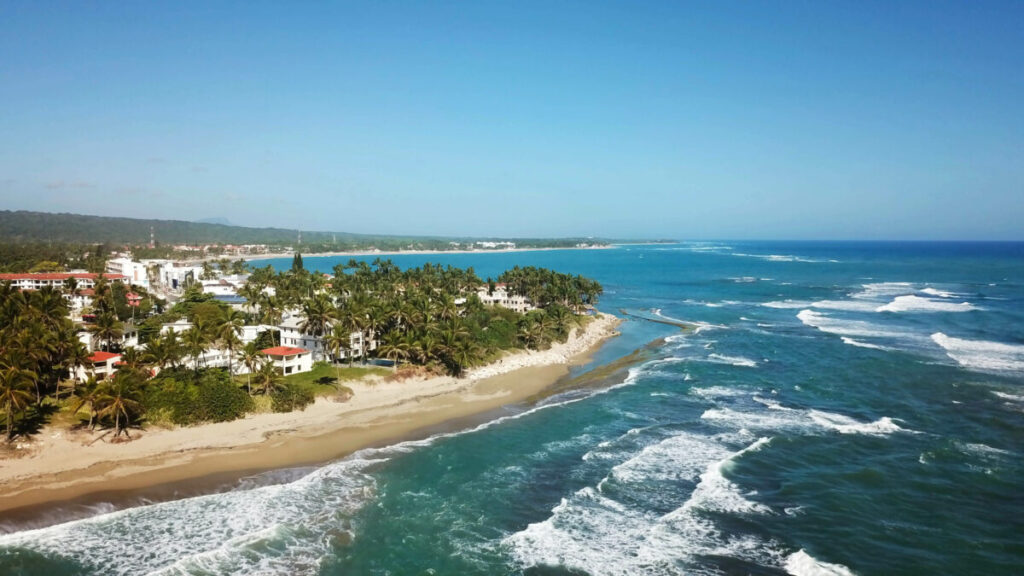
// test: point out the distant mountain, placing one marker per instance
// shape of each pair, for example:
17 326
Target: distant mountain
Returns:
215 220
23 226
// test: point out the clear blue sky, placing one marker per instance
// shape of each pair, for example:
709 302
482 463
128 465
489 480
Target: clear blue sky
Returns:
790 120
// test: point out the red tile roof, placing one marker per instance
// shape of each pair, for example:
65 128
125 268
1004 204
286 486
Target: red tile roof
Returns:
101 356
284 351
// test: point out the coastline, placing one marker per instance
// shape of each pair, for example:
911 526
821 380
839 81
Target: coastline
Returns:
354 253
71 465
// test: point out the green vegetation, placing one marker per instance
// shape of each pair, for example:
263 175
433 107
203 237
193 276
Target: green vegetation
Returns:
29 239
430 317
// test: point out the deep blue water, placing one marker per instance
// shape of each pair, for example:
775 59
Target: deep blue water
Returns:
840 408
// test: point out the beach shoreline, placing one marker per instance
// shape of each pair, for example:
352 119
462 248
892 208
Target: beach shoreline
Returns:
358 253
64 465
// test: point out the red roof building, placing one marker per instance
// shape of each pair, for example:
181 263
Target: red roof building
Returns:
283 351
37 280
101 356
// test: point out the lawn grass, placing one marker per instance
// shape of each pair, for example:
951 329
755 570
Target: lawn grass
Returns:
323 379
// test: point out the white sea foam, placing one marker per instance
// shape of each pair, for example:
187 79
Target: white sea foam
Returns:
782 418
277 529
911 303
783 258
717 392
844 327
787 304
593 532
846 425
939 293
876 290
801 563
859 344
732 360
982 354
1010 397
844 305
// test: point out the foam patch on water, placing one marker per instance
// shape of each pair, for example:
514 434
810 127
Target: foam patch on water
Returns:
787 304
911 303
982 354
732 360
784 258
277 529
593 532
938 293
859 344
877 290
1010 397
780 418
801 563
844 327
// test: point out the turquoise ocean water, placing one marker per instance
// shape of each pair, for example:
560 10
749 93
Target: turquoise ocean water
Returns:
840 408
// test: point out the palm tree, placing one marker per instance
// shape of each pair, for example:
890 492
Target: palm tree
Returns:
269 378
395 348
88 394
106 328
120 397
319 312
15 392
228 332
270 310
251 356
337 340
196 340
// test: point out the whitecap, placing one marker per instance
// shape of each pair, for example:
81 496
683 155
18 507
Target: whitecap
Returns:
732 360
844 327
859 344
911 303
982 354
801 563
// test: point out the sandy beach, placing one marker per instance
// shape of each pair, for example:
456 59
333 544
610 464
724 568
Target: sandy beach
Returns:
273 255
60 464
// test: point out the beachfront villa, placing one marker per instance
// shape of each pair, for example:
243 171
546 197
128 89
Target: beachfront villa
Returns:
502 296
289 359
101 364
292 335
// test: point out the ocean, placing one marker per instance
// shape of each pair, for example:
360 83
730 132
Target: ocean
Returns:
837 408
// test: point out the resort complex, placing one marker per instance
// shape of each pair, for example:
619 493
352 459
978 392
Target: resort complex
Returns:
154 341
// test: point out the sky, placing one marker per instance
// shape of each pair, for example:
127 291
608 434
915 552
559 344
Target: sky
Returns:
692 120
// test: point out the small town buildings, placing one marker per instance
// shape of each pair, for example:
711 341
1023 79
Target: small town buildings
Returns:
289 359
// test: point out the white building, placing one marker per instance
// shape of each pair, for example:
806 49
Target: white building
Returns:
502 296
101 364
135 272
292 335
38 280
290 360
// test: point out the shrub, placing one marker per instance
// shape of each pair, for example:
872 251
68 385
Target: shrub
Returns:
220 400
291 397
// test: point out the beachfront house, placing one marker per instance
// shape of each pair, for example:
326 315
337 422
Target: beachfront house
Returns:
100 364
292 335
502 296
289 359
